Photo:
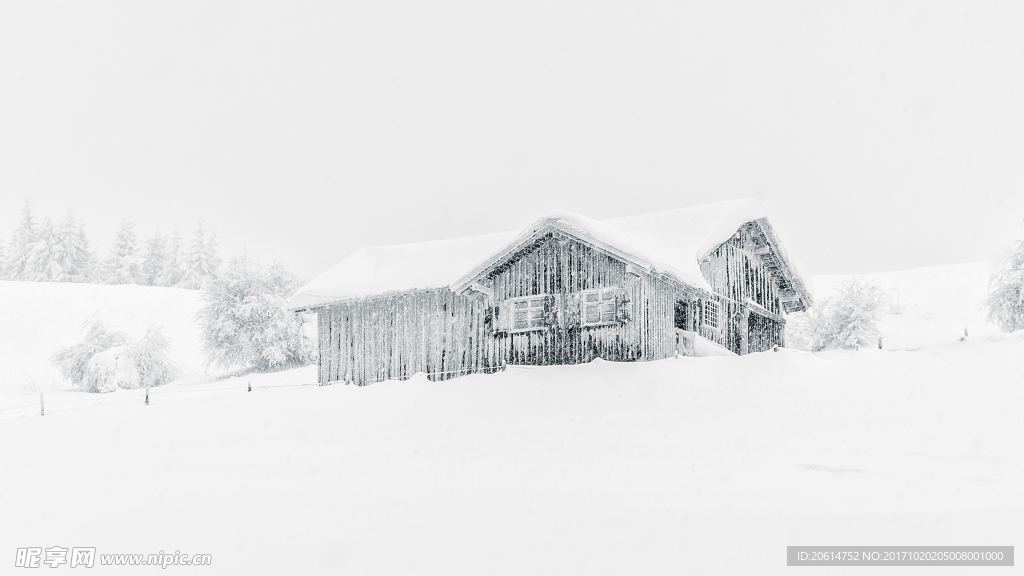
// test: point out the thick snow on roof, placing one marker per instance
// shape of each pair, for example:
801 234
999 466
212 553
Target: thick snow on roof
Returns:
381 269
671 241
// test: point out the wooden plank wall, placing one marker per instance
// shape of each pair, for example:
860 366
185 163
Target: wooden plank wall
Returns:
764 333
564 267
738 275
446 334
393 337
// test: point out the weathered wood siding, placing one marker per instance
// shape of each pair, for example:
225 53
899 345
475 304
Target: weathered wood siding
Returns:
764 333
738 276
445 334
393 337
563 268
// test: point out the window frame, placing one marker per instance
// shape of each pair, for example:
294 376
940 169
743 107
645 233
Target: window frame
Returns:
614 291
529 308
708 304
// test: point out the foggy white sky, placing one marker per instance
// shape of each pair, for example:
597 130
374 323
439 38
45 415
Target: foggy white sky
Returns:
885 135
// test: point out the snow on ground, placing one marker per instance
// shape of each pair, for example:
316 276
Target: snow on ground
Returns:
37 318
925 306
691 465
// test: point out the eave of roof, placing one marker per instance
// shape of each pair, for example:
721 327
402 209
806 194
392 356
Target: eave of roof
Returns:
670 244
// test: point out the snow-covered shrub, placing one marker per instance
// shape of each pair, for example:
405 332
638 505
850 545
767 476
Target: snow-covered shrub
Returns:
1006 292
73 360
846 320
245 322
111 369
151 361
106 360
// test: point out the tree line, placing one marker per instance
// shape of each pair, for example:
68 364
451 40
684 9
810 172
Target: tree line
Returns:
48 252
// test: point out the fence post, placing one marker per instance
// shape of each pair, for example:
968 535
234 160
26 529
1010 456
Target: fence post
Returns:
42 405
147 395
250 387
879 342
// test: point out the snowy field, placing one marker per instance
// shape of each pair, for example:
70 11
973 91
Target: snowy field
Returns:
691 465
705 464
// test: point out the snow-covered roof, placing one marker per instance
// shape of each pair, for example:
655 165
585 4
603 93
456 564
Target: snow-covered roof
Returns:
672 242
374 270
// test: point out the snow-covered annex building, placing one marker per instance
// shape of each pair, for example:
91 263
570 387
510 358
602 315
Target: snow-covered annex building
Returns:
566 290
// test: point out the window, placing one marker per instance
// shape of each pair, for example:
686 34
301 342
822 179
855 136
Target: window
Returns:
528 313
599 306
711 313
682 315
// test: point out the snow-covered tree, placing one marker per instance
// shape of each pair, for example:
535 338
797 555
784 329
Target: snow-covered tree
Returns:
245 321
1006 292
154 260
73 360
124 266
105 360
71 253
846 320
211 254
41 265
151 361
171 273
17 264
201 262
90 268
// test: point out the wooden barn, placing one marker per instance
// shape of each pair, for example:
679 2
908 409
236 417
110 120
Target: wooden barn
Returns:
566 290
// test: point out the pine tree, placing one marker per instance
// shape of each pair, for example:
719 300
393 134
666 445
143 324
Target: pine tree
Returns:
63 249
211 254
171 274
40 265
1006 293
154 260
202 261
89 270
71 253
124 264
17 261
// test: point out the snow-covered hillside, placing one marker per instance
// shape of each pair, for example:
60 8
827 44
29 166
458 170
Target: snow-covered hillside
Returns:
691 465
925 306
37 318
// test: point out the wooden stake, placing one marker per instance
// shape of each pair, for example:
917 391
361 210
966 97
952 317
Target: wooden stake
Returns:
42 405
147 395
250 386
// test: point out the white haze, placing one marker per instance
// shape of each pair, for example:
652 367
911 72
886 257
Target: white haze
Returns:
880 132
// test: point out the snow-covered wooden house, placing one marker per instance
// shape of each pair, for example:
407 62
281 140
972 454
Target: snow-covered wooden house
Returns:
567 289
